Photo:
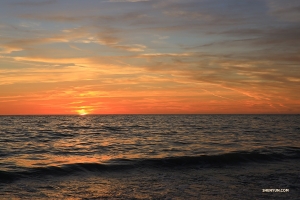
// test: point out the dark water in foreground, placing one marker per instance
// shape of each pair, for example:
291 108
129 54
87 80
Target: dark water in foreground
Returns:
149 157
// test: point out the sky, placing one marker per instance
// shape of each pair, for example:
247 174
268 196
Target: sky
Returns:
149 57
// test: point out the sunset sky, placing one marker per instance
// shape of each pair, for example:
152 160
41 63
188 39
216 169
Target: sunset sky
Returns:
149 56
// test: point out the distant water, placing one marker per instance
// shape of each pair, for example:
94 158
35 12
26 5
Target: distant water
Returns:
149 157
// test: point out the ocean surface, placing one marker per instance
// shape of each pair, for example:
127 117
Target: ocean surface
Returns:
150 157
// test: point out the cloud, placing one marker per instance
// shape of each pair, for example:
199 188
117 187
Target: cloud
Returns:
55 17
35 75
127 0
165 55
10 44
133 47
285 11
34 3
108 39
252 78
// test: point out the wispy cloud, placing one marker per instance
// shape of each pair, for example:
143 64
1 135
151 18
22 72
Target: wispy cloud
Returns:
285 11
128 0
34 3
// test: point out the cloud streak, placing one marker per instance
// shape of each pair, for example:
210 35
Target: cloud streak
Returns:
34 3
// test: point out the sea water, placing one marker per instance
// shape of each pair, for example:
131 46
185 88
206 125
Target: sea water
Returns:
150 157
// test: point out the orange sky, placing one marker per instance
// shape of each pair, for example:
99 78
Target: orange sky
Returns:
147 57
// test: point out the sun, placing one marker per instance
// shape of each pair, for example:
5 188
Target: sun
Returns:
82 112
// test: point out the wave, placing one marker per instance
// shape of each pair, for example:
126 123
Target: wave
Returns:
204 161
220 160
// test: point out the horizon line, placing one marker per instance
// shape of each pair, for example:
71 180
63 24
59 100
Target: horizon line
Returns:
151 114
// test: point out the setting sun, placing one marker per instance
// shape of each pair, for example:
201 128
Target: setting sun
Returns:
82 112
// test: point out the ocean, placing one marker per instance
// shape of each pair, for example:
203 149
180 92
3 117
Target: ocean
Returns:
150 157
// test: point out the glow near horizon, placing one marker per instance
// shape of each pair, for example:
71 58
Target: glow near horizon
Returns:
171 56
